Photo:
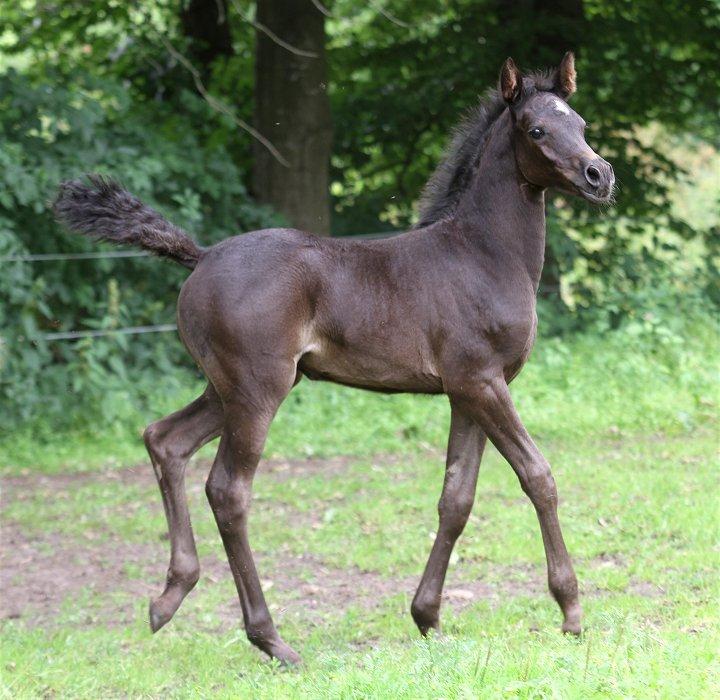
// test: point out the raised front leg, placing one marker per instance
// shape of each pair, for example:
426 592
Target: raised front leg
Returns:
465 447
229 490
171 442
488 401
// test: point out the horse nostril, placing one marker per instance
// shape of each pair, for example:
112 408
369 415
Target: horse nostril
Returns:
592 175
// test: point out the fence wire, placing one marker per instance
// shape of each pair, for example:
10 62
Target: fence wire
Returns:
51 257
133 330
129 330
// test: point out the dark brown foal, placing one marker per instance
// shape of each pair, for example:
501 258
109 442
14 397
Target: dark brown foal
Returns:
447 308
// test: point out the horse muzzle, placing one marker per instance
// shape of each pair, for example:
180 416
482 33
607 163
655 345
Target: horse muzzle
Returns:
598 181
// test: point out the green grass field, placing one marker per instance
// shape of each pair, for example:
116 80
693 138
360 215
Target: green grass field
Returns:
342 524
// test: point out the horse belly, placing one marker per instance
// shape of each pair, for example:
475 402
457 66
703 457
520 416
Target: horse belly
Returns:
366 370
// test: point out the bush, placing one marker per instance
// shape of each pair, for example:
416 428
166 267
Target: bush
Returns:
51 133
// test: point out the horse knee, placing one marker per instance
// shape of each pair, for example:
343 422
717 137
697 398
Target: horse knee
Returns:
229 500
260 630
215 492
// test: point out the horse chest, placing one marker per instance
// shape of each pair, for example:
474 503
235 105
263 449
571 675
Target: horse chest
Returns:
498 334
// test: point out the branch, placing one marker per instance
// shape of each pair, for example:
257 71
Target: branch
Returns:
270 34
388 16
221 11
321 8
380 9
219 106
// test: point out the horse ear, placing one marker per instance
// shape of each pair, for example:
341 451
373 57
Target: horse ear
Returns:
566 76
511 82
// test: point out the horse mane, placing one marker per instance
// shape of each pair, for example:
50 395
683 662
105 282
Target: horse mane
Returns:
461 157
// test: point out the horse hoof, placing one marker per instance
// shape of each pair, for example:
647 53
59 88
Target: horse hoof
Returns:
572 627
286 655
431 631
426 619
429 625
158 617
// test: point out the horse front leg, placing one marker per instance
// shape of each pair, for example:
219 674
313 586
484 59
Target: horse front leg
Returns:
170 443
465 447
488 400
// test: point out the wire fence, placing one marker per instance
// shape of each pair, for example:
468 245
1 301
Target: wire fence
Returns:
52 257
109 255
103 255
138 330
129 330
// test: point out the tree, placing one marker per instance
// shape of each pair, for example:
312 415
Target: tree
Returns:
292 109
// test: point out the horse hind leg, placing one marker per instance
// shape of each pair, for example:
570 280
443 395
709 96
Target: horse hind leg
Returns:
229 489
170 443
249 405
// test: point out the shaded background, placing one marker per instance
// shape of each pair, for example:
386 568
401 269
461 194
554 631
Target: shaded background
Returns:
229 115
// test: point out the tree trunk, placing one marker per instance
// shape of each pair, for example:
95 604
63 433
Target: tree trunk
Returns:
292 110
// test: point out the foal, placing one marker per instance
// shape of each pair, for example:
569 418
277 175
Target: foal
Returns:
447 308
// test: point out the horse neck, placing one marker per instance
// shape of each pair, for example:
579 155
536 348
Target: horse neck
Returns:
501 213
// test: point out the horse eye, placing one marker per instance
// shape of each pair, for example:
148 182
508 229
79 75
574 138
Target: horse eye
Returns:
536 133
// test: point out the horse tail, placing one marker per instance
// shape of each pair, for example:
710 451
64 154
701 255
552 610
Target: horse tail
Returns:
105 211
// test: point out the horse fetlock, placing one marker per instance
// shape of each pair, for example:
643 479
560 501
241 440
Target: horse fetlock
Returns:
185 575
564 587
262 634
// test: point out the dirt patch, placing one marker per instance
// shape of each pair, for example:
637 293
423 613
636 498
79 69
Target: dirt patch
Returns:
40 573
46 574
645 589
142 474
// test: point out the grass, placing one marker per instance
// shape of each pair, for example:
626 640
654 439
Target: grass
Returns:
632 436
622 383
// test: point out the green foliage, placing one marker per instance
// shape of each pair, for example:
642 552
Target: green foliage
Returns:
88 85
50 133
